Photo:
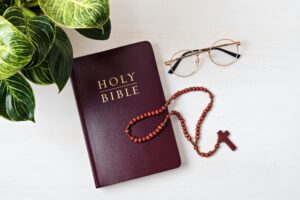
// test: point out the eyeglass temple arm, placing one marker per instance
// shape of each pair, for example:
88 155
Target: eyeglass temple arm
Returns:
228 52
174 67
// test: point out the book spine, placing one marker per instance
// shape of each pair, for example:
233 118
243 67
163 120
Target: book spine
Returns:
85 131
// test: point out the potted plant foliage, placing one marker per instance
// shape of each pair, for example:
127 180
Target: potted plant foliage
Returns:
34 47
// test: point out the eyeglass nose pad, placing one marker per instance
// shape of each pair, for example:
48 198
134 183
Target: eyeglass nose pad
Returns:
211 54
198 62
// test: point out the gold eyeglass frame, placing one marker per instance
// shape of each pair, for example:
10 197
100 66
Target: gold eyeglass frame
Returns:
197 52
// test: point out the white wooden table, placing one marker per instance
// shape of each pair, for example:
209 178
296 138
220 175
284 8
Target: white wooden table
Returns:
257 99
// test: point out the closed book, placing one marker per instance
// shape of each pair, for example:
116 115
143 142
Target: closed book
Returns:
111 88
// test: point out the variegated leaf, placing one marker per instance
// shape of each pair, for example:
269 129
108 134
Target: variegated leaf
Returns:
40 30
16 17
77 13
16 99
39 74
15 49
60 59
97 33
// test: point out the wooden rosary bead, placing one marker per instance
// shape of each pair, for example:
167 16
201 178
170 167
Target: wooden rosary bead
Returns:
222 137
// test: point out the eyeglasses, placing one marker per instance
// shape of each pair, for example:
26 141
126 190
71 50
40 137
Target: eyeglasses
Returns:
185 63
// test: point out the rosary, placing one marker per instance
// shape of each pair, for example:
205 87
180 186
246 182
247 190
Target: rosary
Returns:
222 136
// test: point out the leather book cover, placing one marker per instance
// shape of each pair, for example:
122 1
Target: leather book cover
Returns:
111 88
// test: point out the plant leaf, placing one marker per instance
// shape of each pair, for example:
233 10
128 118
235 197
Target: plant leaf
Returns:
40 74
60 59
16 17
15 49
40 30
16 99
97 33
4 4
77 13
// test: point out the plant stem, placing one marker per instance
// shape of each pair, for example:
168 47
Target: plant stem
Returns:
31 4
28 12
18 3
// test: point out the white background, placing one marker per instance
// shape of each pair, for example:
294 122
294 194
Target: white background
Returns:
257 99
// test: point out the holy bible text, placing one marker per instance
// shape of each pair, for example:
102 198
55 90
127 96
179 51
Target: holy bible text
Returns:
118 87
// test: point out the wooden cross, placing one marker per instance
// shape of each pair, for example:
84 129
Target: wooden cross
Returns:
223 137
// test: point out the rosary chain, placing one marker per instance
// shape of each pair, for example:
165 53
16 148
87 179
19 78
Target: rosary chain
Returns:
152 134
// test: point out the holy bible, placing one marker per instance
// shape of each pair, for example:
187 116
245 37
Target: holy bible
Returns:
110 88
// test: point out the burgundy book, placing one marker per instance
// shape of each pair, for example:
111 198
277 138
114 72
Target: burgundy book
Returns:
111 88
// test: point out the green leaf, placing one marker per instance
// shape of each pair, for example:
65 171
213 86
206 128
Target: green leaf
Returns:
15 49
16 99
77 13
60 59
39 74
4 4
40 30
16 17
97 33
